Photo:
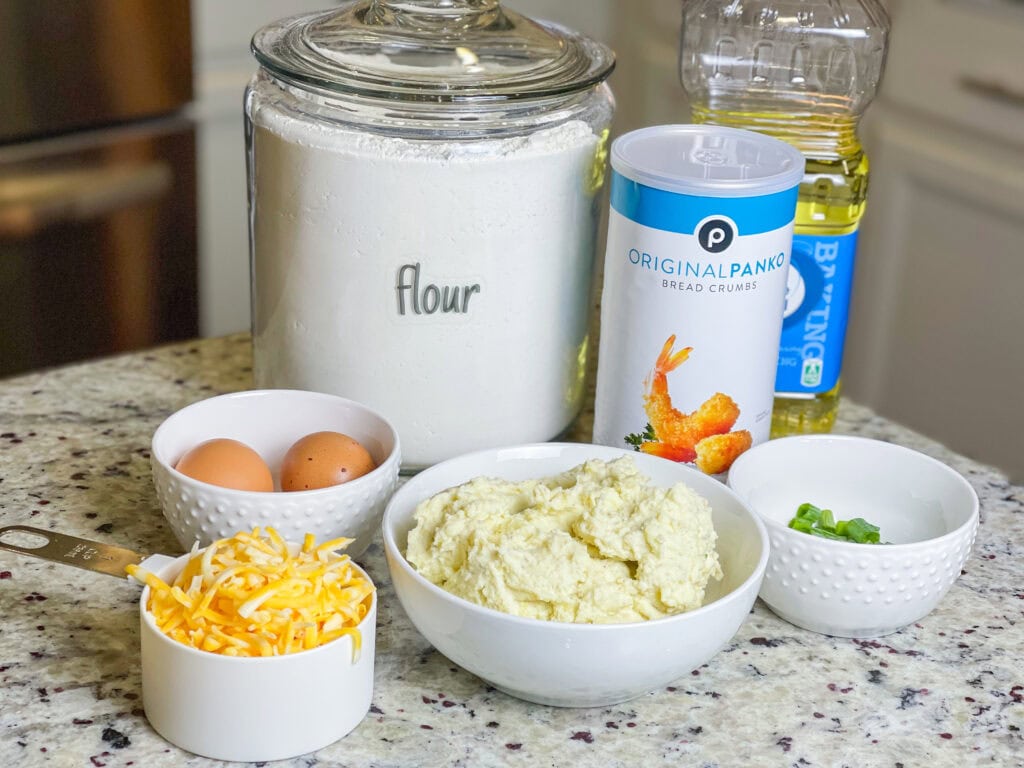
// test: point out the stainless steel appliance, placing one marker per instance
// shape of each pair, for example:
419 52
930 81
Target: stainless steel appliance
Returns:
97 179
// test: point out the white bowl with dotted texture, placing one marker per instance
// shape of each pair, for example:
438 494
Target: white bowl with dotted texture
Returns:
576 665
925 510
270 421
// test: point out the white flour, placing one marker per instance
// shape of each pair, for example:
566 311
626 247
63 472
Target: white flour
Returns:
479 345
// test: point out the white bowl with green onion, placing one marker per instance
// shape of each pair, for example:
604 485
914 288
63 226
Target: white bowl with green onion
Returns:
866 536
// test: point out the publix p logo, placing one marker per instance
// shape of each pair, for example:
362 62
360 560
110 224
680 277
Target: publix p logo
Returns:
715 235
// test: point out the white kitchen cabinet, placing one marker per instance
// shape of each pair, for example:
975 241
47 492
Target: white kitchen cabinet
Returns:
221 31
937 321
935 339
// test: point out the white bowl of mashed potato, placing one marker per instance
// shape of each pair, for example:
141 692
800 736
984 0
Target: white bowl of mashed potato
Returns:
570 574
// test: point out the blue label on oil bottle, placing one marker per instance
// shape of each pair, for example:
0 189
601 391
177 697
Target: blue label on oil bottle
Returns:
814 321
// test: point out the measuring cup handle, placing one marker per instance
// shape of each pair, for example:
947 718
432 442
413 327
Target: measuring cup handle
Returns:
70 550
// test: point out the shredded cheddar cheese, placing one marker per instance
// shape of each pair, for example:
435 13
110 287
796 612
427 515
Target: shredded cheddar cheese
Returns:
249 596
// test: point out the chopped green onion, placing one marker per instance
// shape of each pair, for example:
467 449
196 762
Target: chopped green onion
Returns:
808 512
826 534
801 524
821 522
861 531
827 521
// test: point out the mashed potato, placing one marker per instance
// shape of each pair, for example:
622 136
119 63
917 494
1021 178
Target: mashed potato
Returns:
597 544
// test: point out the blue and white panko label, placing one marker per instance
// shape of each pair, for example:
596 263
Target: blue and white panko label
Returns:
691 316
818 291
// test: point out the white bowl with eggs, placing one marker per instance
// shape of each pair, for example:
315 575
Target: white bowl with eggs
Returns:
270 422
576 664
253 709
925 510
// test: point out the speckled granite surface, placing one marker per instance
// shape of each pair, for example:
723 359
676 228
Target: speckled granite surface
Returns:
948 691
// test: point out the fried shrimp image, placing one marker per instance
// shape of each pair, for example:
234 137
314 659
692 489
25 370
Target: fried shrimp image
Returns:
716 453
703 436
667 422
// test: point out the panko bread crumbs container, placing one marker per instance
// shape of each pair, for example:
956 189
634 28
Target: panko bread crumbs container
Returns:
699 239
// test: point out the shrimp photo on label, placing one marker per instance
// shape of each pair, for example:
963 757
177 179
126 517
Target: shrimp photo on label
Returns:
716 453
703 436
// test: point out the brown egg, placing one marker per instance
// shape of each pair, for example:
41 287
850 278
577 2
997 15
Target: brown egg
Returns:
323 459
227 463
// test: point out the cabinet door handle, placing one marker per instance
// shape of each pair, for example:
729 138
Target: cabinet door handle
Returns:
993 90
30 202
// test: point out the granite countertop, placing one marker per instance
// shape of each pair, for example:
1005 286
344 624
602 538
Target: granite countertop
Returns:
74 457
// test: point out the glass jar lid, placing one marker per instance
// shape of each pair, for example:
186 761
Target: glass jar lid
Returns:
430 50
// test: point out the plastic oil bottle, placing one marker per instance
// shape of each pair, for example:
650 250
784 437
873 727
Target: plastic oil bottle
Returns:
803 71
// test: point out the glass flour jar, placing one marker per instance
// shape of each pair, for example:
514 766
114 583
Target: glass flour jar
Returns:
424 180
